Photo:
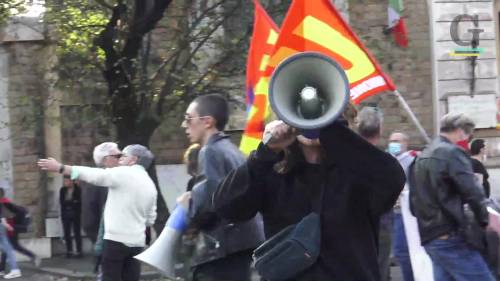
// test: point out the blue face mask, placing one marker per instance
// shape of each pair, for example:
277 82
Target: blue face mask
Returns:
394 148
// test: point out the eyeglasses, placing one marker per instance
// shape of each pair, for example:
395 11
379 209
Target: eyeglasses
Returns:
187 119
117 156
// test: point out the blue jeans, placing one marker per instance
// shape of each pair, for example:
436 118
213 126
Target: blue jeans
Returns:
453 260
7 248
400 247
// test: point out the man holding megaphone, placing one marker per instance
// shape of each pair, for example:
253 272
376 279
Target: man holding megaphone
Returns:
320 194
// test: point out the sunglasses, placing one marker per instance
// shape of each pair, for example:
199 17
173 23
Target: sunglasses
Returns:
117 156
187 119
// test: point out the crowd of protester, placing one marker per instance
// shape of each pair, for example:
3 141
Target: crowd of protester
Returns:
386 202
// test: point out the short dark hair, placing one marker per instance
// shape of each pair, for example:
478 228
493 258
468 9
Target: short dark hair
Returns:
476 146
213 105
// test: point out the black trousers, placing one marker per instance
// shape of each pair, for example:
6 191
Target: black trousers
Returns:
14 241
118 263
72 224
235 267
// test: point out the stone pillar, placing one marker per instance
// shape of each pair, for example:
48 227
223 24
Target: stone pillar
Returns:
5 135
52 131
24 68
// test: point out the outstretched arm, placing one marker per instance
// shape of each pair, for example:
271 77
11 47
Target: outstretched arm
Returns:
52 165
95 176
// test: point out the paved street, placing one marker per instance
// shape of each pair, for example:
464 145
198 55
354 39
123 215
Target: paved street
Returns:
62 269
396 274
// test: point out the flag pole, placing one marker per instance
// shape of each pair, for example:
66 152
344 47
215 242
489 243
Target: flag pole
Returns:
412 116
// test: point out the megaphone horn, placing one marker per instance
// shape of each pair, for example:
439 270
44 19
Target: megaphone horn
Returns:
308 90
162 253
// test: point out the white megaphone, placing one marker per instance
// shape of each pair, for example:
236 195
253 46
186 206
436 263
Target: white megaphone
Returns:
308 91
162 253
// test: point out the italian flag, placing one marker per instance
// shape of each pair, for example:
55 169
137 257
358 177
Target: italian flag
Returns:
396 23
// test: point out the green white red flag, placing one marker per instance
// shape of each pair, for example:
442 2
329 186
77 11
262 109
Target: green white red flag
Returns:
396 23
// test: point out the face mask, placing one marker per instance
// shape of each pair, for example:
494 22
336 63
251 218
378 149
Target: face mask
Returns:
394 148
463 144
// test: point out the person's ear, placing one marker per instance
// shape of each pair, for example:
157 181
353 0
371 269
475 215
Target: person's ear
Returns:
135 159
209 122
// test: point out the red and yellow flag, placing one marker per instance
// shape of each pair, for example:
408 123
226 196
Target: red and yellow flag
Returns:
265 34
315 25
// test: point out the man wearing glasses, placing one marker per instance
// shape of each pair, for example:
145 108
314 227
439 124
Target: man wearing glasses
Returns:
130 207
106 155
224 249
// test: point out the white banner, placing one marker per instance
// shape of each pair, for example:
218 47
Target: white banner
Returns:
420 262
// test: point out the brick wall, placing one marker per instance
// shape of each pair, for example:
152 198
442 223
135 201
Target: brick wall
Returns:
409 68
83 127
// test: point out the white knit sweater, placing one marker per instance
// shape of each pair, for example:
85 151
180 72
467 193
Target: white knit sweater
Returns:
131 203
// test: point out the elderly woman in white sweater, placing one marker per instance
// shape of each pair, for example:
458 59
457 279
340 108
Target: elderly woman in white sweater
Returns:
130 207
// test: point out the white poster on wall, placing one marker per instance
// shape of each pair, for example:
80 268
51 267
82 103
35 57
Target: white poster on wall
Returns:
173 182
481 108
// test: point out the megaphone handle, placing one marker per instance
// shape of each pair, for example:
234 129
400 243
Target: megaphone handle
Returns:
267 137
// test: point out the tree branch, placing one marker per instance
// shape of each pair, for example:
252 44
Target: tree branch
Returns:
196 36
207 37
142 23
105 39
147 22
202 16
104 4
220 62
167 86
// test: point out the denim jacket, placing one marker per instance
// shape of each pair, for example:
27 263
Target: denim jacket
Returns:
219 237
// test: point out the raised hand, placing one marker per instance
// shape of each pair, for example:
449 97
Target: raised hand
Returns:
50 164
281 135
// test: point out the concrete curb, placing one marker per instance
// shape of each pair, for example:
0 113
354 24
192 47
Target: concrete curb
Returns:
79 274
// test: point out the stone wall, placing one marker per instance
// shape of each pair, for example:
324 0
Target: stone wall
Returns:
409 68
26 94
83 127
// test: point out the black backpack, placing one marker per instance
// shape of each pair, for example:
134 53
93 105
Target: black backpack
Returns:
22 217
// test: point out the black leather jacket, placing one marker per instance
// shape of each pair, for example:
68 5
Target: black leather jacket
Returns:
441 182
218 237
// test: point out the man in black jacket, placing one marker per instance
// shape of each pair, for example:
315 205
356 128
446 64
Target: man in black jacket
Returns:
441 183
282 178
224 249
70 199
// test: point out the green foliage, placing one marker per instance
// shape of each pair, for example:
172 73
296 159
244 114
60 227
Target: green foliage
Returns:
10 8
77 23
151 73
